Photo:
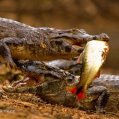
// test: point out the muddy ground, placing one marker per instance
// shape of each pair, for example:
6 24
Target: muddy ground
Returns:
27 106
16 109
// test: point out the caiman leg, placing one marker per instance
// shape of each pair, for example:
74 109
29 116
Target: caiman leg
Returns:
103 96
6 54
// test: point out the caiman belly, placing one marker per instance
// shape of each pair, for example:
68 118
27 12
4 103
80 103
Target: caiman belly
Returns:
38 53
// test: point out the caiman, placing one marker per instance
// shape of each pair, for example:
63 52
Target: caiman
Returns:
20 41
54 88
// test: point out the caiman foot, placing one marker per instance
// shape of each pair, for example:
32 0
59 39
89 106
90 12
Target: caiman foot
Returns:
101 111
10 64
6 55
23 84
102 95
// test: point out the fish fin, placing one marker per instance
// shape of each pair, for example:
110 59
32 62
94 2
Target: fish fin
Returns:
98 74
72 89
79 60
81 94
79 90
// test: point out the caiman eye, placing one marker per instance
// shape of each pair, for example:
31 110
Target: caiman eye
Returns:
70 79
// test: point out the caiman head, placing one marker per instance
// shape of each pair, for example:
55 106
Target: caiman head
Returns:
69 43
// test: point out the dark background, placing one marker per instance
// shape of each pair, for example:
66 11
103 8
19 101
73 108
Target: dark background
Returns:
95 16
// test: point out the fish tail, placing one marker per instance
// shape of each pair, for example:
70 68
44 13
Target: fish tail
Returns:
79 60
80 93
97 75
72 89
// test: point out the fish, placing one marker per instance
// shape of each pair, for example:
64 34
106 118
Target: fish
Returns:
93 57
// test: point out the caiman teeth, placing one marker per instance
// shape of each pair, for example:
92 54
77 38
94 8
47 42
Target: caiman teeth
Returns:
79 48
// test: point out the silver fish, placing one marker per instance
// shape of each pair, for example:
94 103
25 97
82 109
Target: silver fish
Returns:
93 57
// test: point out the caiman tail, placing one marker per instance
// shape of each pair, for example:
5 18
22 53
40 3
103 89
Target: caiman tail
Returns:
93 57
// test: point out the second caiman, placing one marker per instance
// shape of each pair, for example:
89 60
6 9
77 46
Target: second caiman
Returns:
55 87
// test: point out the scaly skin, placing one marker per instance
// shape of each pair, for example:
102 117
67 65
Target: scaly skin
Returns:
109 81
20 41
70 65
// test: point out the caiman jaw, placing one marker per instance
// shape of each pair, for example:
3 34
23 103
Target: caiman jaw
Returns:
83 37
70 43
